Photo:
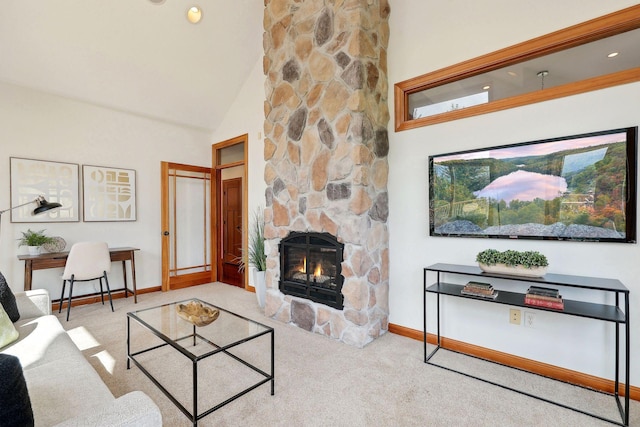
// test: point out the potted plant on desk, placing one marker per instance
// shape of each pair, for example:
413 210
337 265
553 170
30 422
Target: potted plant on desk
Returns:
256 256
34 240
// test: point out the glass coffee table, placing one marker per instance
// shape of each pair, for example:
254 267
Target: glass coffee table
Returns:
226 358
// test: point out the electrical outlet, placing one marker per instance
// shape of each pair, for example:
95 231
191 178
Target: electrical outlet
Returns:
529 319
515 316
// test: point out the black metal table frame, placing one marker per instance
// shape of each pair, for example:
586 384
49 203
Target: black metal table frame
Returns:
194 416
624 411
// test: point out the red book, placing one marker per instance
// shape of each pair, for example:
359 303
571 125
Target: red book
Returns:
558 305
544 297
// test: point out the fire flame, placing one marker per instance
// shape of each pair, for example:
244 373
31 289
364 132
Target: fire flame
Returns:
303 268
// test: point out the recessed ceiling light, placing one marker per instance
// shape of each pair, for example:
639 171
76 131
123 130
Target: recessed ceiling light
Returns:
487 87
613 54
194 14
512 73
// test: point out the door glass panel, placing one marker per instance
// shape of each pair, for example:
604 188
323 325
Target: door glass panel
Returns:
231 154
189 222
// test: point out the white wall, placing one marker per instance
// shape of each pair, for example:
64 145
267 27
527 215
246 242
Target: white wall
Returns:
40 126
428 35
246 115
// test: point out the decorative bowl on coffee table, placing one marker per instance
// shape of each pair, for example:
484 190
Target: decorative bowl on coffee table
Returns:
197 313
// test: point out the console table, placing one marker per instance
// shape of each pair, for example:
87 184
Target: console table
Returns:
617 314
59 259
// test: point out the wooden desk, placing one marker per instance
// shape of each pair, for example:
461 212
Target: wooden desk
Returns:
59 259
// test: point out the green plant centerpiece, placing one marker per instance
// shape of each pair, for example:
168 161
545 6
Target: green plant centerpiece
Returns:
527 263
256 256
34 239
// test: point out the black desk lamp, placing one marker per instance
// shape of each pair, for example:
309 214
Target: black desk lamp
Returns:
42 206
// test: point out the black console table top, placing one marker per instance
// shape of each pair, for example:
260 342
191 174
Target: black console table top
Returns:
596 283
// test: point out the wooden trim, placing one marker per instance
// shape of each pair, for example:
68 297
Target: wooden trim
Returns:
95 298
230 165
245 208
164 223
406 332
182 166
231 141
191 279
518 362
595 29
215 201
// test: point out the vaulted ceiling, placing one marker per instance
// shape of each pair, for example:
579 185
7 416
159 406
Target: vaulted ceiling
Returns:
138 56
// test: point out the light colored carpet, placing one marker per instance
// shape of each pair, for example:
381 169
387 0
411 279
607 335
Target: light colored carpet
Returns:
320 382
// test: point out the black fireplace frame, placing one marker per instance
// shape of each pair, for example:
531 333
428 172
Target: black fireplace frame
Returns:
302 240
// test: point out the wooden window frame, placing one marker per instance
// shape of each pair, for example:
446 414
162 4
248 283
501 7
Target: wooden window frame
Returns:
605 26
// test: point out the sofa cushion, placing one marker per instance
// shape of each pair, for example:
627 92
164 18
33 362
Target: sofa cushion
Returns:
134 409
8 300
8 333
65 388
41 340
15 406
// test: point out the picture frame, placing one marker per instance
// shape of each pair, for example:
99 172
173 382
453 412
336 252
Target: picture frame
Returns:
56 181
109 194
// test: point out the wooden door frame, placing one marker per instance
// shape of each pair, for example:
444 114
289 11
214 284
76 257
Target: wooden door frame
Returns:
216 198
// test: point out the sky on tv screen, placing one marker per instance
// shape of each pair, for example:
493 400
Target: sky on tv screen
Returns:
537 149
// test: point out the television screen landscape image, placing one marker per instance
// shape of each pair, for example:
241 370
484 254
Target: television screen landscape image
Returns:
580 187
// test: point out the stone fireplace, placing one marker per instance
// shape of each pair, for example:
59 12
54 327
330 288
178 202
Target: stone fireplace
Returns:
326 147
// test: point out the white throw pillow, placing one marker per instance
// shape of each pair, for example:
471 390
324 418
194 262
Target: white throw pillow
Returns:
8 333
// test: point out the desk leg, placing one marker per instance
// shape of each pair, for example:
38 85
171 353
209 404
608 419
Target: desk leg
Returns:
28 274
124 276
133 277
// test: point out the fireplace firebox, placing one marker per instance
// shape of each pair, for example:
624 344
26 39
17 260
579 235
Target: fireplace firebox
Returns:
311 266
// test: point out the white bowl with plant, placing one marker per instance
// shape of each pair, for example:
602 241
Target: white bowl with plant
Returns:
527 263
34 240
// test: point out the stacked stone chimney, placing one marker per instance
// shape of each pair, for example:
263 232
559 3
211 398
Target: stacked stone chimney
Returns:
326 147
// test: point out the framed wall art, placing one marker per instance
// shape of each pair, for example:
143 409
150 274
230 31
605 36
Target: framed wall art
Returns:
56 181
109 193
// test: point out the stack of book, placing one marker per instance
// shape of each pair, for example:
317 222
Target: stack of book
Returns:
544 297
479 289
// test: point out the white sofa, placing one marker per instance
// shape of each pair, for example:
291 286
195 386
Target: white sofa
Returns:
64 389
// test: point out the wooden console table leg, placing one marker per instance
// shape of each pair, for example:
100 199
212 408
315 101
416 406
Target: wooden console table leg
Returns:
28 274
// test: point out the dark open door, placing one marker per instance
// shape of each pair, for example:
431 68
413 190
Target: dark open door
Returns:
231 232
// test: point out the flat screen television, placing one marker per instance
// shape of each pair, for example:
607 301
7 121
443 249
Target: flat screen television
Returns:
579 188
